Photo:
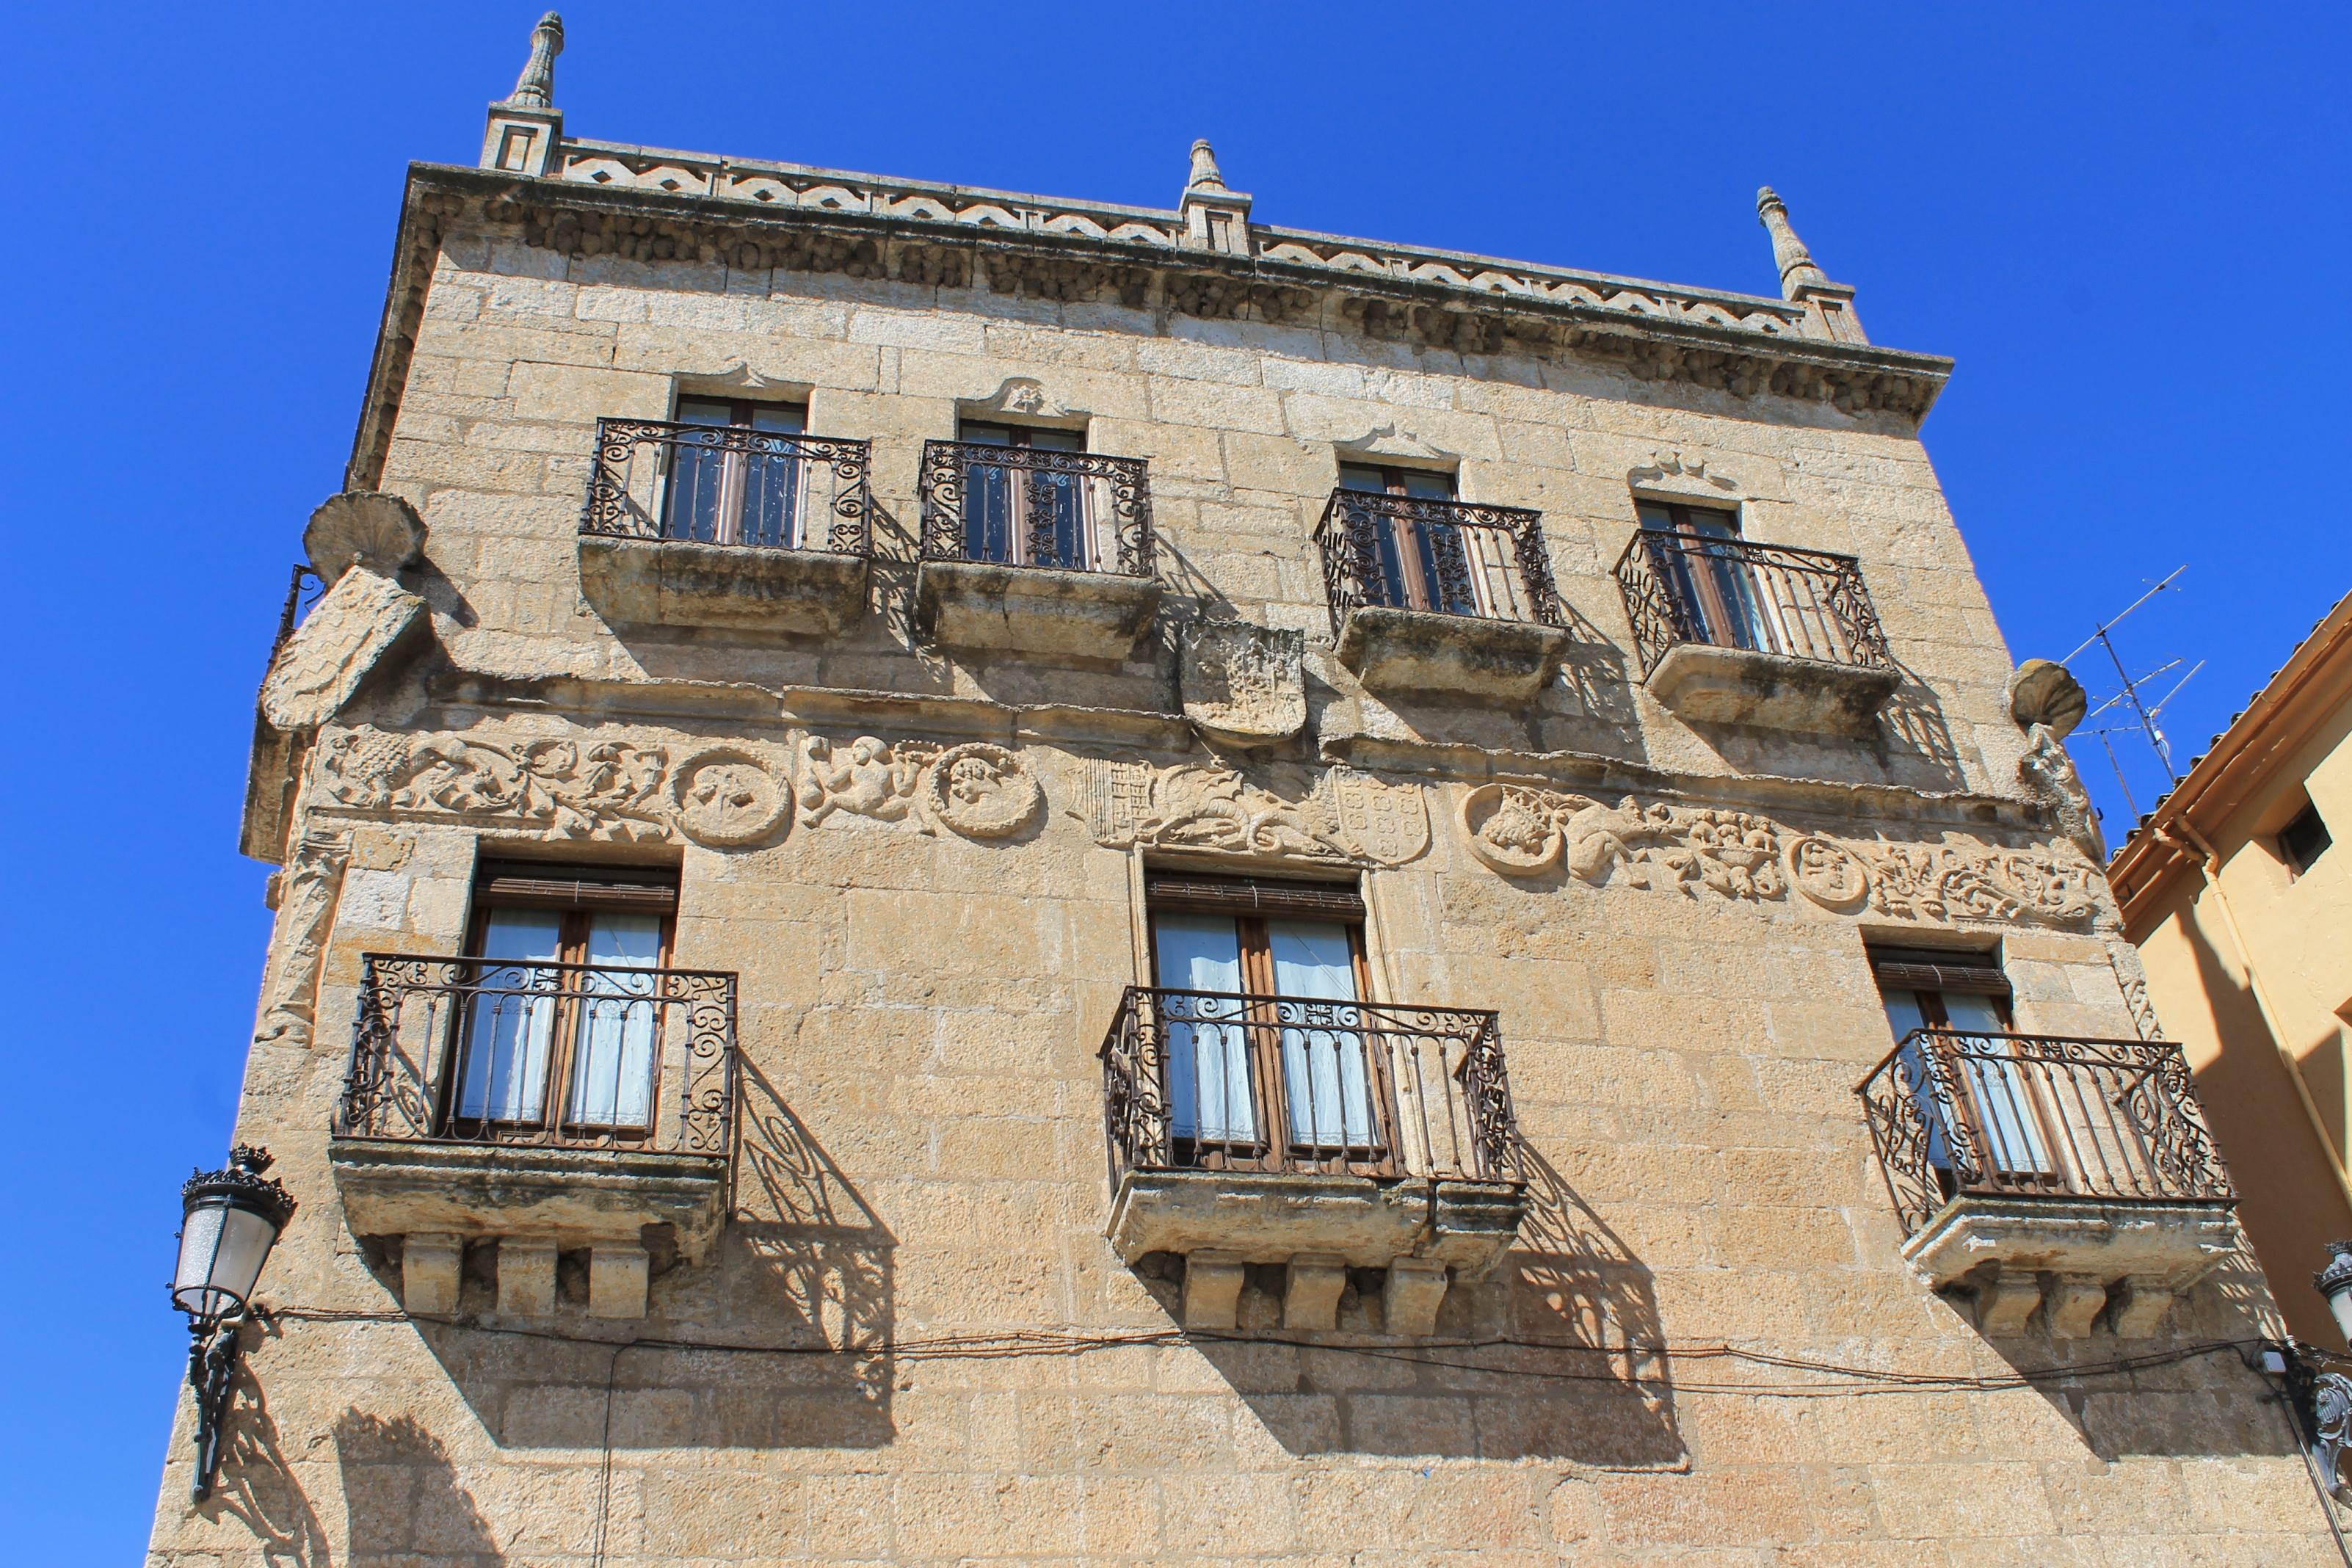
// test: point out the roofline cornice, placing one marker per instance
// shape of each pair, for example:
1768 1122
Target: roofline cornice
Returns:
955 237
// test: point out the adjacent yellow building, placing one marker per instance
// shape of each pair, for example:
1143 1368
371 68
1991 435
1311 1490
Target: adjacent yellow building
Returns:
2242 912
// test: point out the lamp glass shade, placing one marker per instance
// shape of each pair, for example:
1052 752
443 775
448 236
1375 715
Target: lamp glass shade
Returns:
2340 1303
223 1245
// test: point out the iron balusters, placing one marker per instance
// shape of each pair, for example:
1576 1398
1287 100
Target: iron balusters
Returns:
1210 1081
1766 599
1029 506
728 484
1412 552
482 1050
2031 1115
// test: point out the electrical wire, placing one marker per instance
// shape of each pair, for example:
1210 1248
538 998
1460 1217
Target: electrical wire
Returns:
1440 1354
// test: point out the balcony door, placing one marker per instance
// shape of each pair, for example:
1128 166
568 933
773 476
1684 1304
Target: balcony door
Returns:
1267 1063
1023 515
559 1038
742 483
1718 591
1966 1005
1422 565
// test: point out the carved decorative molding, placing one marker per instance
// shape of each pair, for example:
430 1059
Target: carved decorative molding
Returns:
1345 815
1522 830
306 912
1245 685
727 796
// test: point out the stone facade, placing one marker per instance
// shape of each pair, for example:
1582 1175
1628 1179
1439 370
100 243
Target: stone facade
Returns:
912 1333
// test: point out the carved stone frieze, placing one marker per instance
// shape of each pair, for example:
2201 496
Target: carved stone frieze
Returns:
1245 685
321 665
306 911
978 791
1521 830
1345 814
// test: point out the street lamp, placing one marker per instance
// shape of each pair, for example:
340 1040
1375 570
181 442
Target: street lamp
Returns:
2335 1283
230 1220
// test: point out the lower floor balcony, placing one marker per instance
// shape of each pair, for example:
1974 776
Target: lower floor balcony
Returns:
544 1108
1319 1137
2070 1176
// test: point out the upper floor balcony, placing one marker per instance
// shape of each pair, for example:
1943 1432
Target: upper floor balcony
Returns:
1434 596
1732 632
546 1104
2073 1174
1035 548
1318 1135
727 525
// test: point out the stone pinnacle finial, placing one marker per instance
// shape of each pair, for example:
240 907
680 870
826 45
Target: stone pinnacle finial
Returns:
1796 263
1205 167
535 88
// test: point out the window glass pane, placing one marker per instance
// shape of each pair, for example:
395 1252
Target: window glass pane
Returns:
1208 1056
1353 477
1058 440
705 411
510 1020
612 1055
783 418
1654 516
1903 1015
986 435
1324 1068
1428 486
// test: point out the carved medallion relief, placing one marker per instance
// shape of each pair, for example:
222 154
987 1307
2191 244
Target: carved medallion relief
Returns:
1345 814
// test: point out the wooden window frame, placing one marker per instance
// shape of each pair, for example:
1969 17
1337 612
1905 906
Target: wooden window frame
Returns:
1926 976
1721 617
580 893
1025 437
1252 905
727 515
1412 581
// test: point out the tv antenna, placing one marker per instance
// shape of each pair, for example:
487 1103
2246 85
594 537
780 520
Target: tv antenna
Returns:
2144 713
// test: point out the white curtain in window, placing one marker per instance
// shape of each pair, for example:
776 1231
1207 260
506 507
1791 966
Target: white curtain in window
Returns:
612 1054
511 1022
1323 1062
1208 1061
2002 1090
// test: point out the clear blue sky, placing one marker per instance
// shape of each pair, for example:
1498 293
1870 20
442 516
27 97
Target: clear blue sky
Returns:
2127 223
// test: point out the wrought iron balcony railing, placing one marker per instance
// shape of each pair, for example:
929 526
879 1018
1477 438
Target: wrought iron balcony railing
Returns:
1200 1080
1763 598
1409 553
478 1050
728 484
1028 506
2032 1116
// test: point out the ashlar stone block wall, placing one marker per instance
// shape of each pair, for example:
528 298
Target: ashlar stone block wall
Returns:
912 1343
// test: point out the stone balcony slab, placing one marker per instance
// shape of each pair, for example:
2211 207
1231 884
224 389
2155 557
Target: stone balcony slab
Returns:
731 587
1419 653
1221 1222
436 1197
1713 685
988 607
2073 1257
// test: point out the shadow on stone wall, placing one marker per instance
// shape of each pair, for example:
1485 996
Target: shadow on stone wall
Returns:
402 1500
1552 1358
790 1319
257 1486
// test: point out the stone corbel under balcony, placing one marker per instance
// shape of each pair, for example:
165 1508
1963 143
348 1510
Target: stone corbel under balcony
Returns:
985 606
733 587
533 1202
1421 653
1713 685
2071 1257
1317 1227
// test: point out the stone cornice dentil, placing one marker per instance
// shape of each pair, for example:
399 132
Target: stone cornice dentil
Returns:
652 205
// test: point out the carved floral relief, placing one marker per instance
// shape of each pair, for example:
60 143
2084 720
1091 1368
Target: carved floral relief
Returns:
979 791
1521 830
1345 815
